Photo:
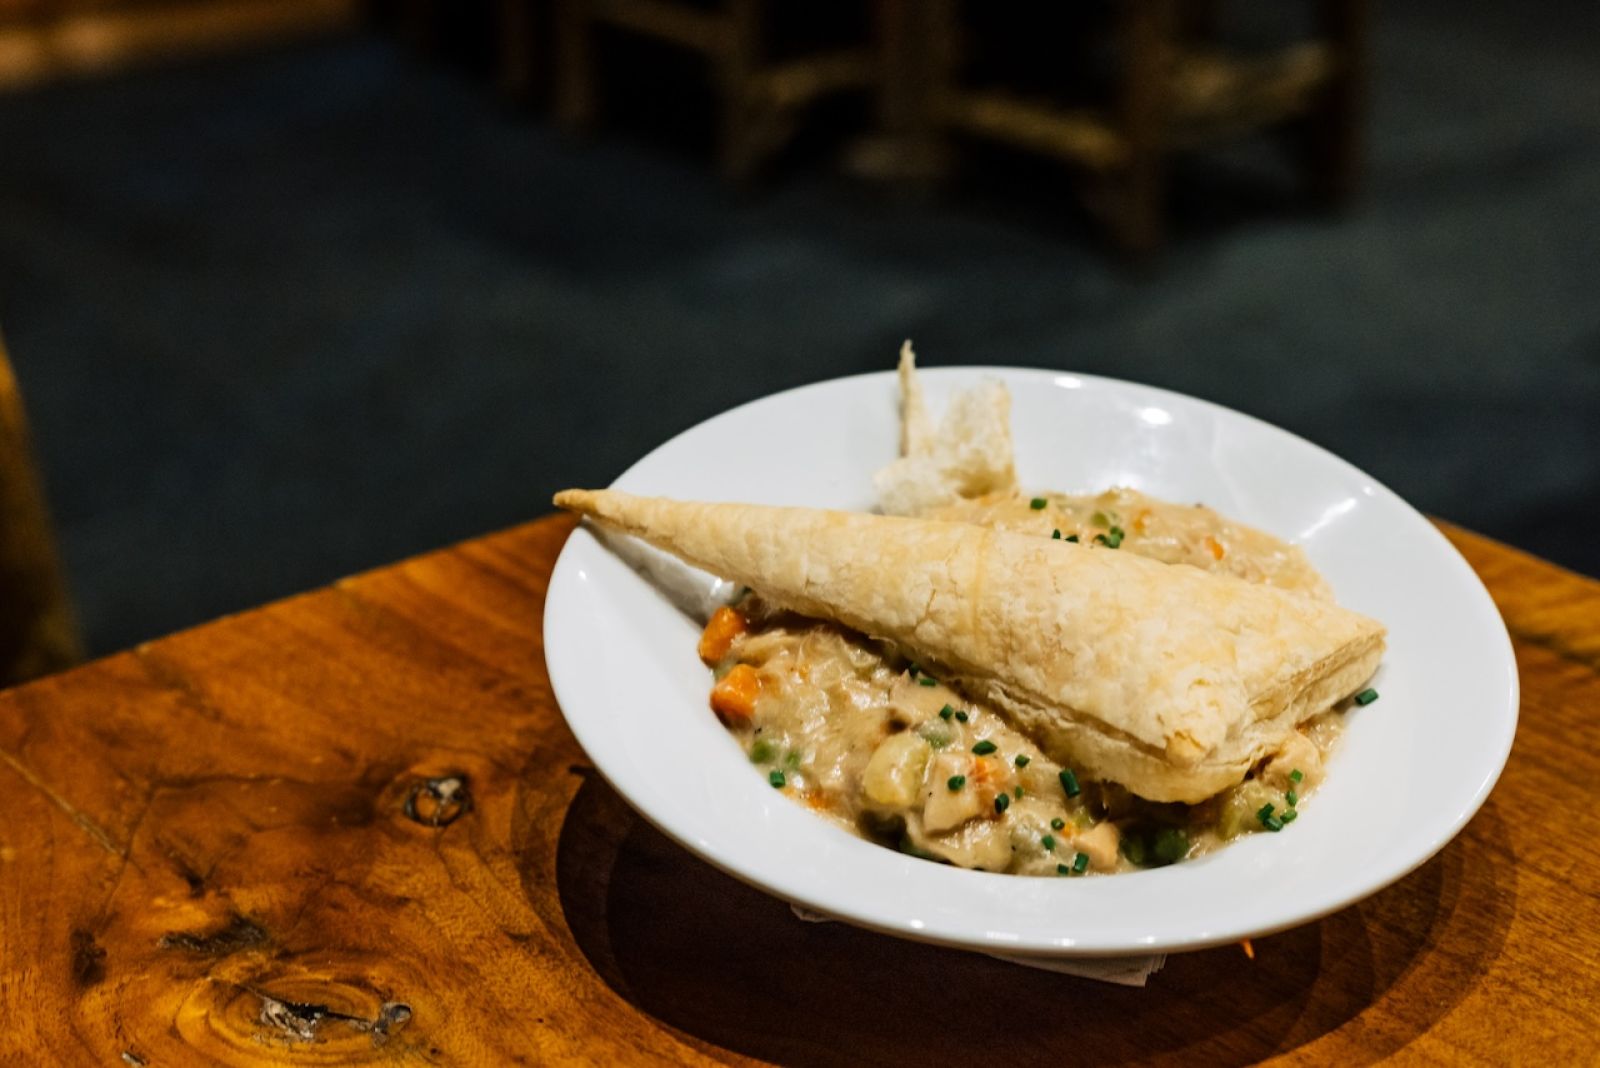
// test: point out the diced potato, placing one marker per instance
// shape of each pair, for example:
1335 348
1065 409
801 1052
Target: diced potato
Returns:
893 776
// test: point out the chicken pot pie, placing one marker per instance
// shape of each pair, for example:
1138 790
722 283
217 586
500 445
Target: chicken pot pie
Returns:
973 687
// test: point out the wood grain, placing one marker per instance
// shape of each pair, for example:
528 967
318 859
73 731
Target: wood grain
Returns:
352 827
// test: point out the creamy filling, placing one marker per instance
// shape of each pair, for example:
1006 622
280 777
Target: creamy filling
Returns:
869 741
862 736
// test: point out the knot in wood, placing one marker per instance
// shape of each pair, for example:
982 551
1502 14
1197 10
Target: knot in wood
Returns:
438 802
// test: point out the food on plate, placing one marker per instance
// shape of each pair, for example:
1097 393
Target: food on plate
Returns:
1026 682
962 470
1167 681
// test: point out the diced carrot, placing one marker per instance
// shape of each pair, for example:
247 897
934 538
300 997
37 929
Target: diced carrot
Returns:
734 696
1214 546
818 800
724 626
1249 950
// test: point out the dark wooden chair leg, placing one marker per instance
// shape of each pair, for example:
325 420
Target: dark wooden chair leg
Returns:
37 631
1138 217
576 103
515 34
740 112
1334 143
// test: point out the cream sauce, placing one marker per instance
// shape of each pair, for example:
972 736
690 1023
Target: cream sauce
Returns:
887 752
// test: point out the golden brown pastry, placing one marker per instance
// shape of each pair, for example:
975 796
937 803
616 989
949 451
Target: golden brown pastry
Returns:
1166 679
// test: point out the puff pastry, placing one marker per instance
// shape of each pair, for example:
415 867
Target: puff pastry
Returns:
1163 678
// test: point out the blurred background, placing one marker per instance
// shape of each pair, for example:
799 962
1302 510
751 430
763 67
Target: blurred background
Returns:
294 288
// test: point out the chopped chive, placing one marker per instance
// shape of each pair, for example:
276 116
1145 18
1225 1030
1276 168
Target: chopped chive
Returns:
1002 802
1069 782
1037 503
1070 537
1115 537
1080 863
1292 797
956 782
928 680
775 777
1057 823
1273 823
914 669
1021 761
1055 534
1101 539
946 712
1289 817
1367 696
1264 813
1296 775
961 716
1048 841
1018 792
1062 869
985 747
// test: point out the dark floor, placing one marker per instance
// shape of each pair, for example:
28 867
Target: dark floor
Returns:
289 317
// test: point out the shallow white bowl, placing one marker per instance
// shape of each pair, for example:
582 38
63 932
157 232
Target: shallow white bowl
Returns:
1412 769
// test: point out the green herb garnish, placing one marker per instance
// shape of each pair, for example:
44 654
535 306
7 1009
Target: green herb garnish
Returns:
1069 783
1296 775
946 712
1070 537
1080 863
1037 503
1002 802
1057 823
1264 813
961 717
775 777
1021 761
1292 797
1367 696
1056 535
1048 841
1290 816
956 782
985 747
762 751
928 680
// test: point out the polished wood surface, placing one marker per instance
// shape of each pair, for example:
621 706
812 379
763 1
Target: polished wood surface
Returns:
352 827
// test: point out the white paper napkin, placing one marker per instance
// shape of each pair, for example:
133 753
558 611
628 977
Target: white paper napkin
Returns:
1124 971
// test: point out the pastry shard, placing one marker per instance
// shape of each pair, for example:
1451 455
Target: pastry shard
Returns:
1163 678
968 454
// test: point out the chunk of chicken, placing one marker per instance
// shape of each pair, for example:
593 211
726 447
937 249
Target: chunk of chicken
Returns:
1100 842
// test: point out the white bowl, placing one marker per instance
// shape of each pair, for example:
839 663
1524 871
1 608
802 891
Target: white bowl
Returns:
1412 769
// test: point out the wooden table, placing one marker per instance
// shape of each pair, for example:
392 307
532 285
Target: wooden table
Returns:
352 826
